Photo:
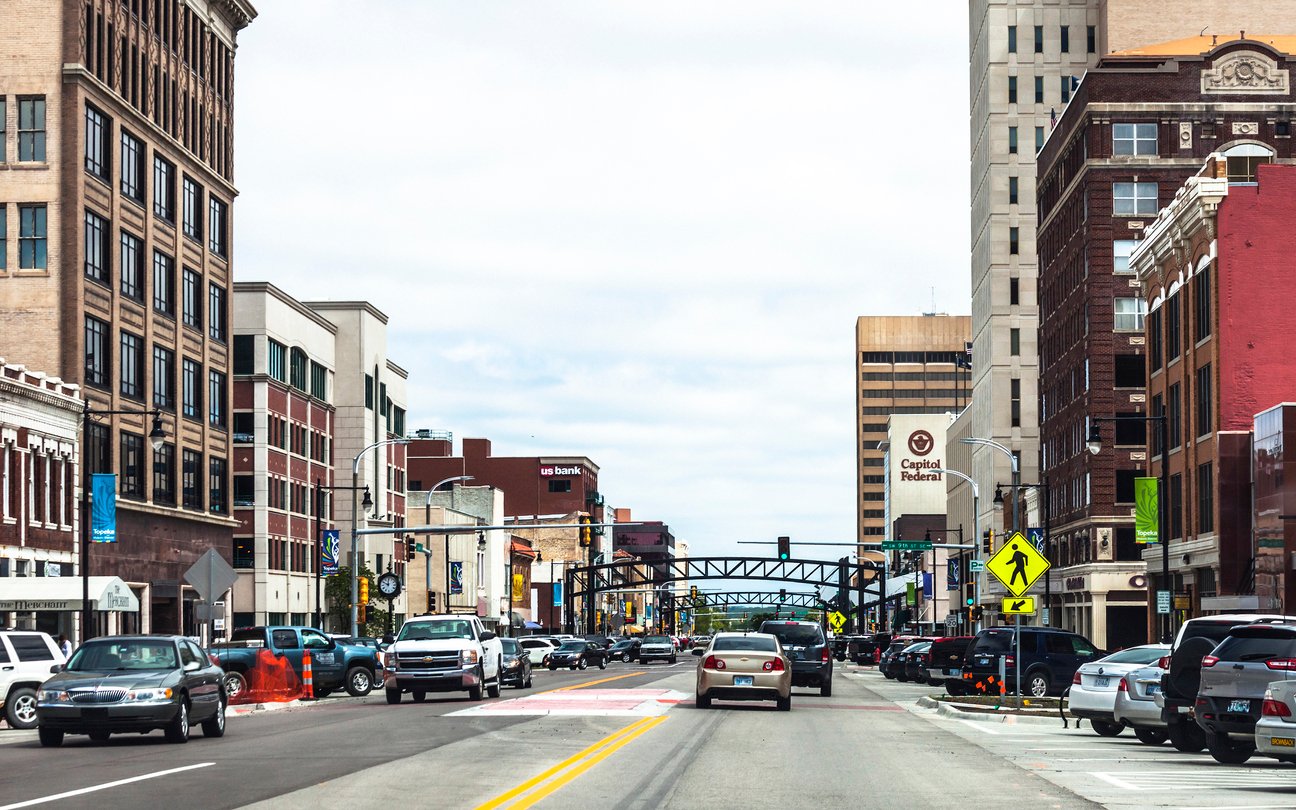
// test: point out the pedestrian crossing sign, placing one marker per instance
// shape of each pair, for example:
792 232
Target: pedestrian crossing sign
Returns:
837 621
1017 564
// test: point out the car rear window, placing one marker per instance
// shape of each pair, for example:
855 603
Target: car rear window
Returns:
799 635
1215 631
30 647
993 642
1135 655
755 643
1256 646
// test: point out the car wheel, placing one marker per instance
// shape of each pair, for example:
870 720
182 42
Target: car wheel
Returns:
784 704
887 674
1186 736
825 688
1104 729
703 701
418 695
177 731
20 708
99 736
235 685
902 678
393 695
1037 684
1226 751
602 664
1151 736
956 688
625 658
672 659
583 664
493 689
475 692
359 682
553 667
527 685
50 738
214 726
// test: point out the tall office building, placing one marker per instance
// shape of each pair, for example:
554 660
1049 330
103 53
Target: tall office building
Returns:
116 144
905 364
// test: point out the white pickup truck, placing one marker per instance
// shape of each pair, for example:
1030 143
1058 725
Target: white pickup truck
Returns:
446 653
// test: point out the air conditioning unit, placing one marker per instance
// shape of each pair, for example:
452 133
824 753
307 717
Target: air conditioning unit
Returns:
1105 544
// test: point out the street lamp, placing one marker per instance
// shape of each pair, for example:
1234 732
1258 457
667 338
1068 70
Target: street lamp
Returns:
1094 445
976 528
157 437
1016 472
427 521
355 538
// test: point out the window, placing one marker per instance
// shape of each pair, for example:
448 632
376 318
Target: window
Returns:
1172 323
32 239
1014 341
216 227
560 485
99 449
244 354
164 474
191 388
297 369
1129 314
1158 409
4 209
96 352
216 485
1202 304
192 225
1012 140
190 472
1131 371
132 366
31 129
163 189
244 427
1015 395
244 557
369 392
1154 340
163 283
216 399
1039 138
1174 415
191 310
1174 506
163 378
1121 250
216 321
132 266
244 490
98 128
1065 34
1039 89
1064 88
1091 39
276 358
1012 89
1125 485
132 465
319 381
1243 159
1012 39
132 167
1012 190
1039 39
1132 199
1014 241
1205 498
1134 139
1014 291
1204 406
398 421
4 133
96 247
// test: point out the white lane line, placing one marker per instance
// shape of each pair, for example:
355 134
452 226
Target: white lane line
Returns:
104 786
1106 777
978 726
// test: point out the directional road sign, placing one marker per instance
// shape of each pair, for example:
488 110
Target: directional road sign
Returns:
1019 605
976 566
906 545
1017 564
836 621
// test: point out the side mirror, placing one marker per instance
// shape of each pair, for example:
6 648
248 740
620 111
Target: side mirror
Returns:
698 651
192 666
56 669
388 639
488 635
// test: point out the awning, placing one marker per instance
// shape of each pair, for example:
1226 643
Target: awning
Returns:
533 625
64 593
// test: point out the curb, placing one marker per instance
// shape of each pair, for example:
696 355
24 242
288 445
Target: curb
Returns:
948 710
257 708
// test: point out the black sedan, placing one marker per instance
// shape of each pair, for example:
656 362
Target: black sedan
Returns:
133 684
517 665
575 654
624 650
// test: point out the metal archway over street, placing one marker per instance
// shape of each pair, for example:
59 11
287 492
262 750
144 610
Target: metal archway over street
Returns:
586 580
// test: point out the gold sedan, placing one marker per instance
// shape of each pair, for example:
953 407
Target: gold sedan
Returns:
744 666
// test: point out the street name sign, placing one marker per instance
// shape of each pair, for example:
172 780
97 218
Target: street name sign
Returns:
1017 564
907 545
1019 606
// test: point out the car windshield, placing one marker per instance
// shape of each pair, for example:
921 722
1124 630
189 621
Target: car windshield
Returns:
111 655
922 646
573 646
993 641
620 644
795 635
756 643
1135 655
510 646
657 640
435 629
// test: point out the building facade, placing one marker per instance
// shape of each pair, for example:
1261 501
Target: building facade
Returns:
116 201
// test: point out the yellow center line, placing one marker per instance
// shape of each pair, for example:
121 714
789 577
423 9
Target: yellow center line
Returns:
591 683
503 798
560 781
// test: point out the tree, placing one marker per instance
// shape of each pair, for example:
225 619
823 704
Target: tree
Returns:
337 596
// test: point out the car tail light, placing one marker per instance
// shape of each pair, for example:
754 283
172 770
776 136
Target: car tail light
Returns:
712 662
1284 664
1123 686
1274 708
774 665
1010 661
825 655
1075 679
1163 662
1209 661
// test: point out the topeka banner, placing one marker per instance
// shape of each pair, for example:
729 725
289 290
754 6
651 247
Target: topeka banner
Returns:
1146 513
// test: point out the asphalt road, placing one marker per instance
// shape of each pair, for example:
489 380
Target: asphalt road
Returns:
630 737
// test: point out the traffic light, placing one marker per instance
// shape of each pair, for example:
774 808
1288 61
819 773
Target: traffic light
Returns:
693 592
361 615
785 548
782 594
410 552
987 541
971 600
364 591
431 602
585 534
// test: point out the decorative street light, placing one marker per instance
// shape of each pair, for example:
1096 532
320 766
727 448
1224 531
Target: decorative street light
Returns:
355 538
1016 472
427 551
976 529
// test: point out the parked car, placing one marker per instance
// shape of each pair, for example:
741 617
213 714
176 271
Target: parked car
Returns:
945 663
538 649
1095 685
1049 658
517 664
655 647
1275 731
133 684
27 659
896 663
578 654
626 650
447 653
916 662
1195 639
334 664
867 649
1136 706
1234 678
898 643
806 646
744 666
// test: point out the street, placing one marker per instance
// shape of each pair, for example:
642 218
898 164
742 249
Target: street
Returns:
630 737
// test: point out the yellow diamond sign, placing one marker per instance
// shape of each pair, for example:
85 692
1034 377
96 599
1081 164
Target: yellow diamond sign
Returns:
1017 564
836 621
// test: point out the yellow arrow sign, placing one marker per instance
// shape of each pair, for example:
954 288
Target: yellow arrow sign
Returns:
1019 605
836 621
1017 564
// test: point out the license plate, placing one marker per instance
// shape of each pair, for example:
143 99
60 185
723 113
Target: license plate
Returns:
983 661
744 680
954 673
1154 689
1101 683
1282 742
1239 706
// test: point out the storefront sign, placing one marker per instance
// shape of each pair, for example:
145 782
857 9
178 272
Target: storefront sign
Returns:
103 509
547 471
1146 515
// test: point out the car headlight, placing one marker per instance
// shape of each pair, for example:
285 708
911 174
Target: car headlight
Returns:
468 657
52 696
513 664
146 695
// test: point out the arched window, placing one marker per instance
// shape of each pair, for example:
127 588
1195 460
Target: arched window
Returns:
1242 161
297 369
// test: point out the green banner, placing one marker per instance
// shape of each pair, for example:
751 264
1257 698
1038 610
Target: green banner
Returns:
1146 515
911 593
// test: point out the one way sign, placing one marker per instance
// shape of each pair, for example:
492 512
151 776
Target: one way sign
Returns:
1019 605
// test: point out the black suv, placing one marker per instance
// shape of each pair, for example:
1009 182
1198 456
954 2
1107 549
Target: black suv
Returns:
807 647
1049 659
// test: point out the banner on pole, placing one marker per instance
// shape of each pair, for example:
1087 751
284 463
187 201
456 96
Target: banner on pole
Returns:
456 577
557 594
329 549
1146 512
103 508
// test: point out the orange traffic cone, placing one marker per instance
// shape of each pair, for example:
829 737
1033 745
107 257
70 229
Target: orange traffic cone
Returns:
307 686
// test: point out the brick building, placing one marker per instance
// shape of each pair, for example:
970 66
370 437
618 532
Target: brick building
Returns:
1138 126
116 200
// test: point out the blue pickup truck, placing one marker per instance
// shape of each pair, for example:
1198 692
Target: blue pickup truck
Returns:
257 658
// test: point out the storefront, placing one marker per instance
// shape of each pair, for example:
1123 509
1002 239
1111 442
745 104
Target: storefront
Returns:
52 604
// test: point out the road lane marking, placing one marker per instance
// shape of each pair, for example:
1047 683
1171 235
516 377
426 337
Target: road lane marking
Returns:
591 683
508 796
980 726
104 786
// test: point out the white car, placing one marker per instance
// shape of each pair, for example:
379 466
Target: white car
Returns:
1095 684
1136 704
27 659
537 648
1275 731
446 653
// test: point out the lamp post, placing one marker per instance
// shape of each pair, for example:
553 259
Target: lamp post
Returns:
366 503
427 521
976 531
355 538
1094 445
157 437
1012 459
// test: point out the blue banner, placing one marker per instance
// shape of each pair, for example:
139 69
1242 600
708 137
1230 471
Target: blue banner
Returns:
927 585
329 549
1036 538
557 594
103 508
456 577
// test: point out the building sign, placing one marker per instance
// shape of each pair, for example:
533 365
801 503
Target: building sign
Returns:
919 469
329 552
103 509
921 442
1146 513
640 541
549 471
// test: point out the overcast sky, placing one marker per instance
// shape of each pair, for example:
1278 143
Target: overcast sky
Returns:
639 232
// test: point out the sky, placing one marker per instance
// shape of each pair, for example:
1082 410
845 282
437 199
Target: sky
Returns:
638 232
